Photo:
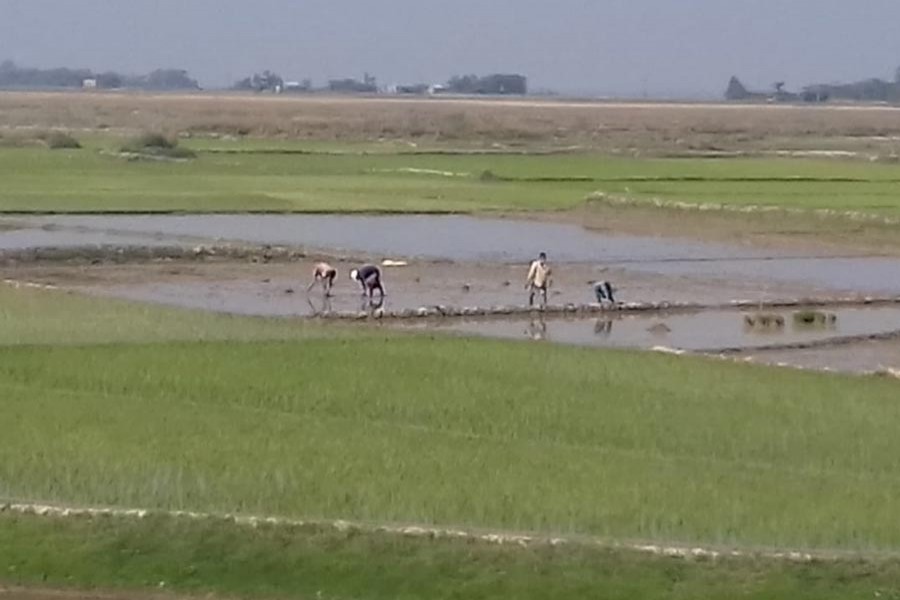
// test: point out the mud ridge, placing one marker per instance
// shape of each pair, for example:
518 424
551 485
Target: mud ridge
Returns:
441 311
136 253
824 343
673 550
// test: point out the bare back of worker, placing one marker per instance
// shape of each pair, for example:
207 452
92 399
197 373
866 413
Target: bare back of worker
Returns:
325 274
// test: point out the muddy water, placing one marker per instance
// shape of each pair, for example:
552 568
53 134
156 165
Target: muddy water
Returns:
471 239
700 331
278 289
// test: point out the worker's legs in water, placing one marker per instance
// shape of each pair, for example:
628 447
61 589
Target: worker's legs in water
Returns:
537 290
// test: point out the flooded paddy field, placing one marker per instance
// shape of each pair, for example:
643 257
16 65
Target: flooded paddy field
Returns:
463 261
706 331
280 288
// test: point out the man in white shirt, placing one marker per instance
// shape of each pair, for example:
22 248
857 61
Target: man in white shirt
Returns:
538 279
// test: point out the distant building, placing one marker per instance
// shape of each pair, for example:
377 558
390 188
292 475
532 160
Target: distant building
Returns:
89 84
296 86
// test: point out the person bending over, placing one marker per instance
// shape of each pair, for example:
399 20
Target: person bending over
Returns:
369 277
325 274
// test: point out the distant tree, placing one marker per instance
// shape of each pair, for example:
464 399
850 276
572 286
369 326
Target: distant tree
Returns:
497 83
897 76
354 86
260 82
736 90
169 79
463 84
110 80
779 87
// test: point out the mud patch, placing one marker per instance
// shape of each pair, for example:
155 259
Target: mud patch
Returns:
278 288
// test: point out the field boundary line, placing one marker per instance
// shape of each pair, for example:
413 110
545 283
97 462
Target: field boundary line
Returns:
671 550
615 200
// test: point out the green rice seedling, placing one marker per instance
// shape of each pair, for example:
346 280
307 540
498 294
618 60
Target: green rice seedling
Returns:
454 431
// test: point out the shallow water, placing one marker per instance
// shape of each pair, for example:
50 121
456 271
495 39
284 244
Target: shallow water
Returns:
697 331
855 358
28 238
458 238
471 239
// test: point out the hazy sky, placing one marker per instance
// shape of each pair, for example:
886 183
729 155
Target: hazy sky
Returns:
663 47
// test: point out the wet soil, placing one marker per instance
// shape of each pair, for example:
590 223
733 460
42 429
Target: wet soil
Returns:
460 262
279 289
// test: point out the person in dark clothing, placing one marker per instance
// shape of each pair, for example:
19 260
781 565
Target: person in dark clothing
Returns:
369 277
603 290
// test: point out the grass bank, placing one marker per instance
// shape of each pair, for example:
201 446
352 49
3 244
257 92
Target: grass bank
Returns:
383 427
220 558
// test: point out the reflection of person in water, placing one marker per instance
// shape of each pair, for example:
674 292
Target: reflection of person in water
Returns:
537 329
326 305
603 327
372 304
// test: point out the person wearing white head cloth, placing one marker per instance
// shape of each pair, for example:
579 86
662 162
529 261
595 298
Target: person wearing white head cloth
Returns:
369 277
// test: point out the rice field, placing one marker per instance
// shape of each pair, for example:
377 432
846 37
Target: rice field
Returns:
120 404
238 176
381 427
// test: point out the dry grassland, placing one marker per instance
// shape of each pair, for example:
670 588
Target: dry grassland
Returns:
654 127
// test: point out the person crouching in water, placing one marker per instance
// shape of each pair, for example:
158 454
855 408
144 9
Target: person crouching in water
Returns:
325 274
369 277
538 279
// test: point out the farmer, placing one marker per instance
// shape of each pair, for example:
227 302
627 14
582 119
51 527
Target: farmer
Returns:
369 277
603 290
538 279
324 273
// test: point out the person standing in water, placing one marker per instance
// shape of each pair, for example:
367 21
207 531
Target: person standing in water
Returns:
538 279
369 277
324 273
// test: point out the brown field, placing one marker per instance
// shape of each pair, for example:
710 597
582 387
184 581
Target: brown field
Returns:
606 126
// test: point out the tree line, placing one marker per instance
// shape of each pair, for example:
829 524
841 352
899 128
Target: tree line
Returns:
494 84
14 76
